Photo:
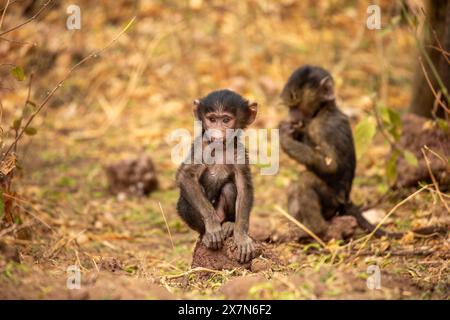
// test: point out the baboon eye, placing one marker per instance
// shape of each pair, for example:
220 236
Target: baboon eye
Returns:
212 119
226 120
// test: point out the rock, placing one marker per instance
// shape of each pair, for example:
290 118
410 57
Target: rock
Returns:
416 133
223 259
341 227
287 232
259 229
132 176
261 264
374 216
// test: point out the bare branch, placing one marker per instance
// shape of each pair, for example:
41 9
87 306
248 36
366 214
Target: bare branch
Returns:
436 96
27 21
60 83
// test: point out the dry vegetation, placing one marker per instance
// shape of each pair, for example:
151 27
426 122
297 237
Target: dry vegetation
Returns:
133 95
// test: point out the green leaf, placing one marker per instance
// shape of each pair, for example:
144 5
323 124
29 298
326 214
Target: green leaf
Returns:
395 118
18 73
30 131
17 123
364 132
392 121
443 124
410 158
391 168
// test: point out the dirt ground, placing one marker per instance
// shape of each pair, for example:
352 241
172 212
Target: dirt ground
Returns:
130 99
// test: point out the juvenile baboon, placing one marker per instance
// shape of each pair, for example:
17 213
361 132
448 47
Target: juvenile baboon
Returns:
216 197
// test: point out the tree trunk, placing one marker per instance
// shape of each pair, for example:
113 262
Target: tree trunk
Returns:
437 20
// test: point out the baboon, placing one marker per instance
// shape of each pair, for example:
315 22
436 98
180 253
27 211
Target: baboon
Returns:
216 196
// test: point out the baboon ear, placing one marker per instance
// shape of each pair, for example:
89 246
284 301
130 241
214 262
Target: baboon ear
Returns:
196 104
253 110
327 89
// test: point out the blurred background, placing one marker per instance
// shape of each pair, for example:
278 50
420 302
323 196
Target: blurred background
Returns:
59 208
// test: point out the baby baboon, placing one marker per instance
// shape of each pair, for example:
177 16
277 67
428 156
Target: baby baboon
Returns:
318 135
215 195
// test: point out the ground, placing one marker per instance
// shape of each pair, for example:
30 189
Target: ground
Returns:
130 99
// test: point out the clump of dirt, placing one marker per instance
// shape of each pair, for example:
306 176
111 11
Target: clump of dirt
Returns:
418 132
327 283
9 253
110 264
226 257
93 285
259 229
132 176
261 264
107 286
341 227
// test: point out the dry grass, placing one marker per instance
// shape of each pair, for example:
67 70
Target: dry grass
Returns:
131 97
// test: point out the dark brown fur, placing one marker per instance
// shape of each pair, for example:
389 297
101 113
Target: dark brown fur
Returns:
216 199
318 135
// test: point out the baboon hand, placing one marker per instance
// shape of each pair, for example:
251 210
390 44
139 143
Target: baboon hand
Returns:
213 237
245 247
286 128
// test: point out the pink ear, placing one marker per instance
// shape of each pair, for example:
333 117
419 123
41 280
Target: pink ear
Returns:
196 103
327 89
253 109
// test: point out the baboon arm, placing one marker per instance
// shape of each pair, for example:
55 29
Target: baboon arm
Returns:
188 180
321 158
244 198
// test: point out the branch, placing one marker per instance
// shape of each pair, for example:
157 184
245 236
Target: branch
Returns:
27 21
60 83
370 235
433 179
435 94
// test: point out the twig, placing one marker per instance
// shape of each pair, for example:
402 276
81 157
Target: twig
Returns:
114 114
61 243
427 56
9 3
370 235
198 269
15 227
445 53
31 214
442 158
435 183
34 44
438 99
61 82
27 21
167 225
4 12
23 111
400 253
301 226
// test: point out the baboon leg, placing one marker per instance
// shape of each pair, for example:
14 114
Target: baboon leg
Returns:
304 203
226 208
191 216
